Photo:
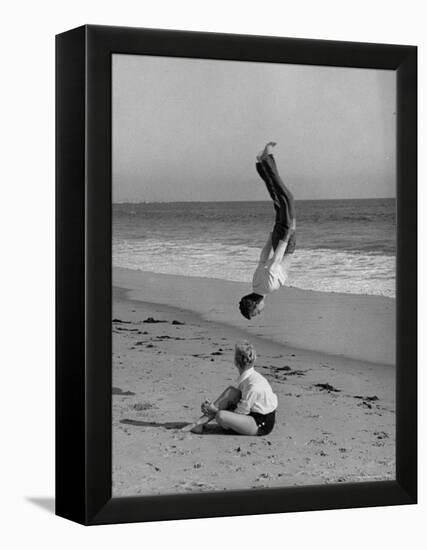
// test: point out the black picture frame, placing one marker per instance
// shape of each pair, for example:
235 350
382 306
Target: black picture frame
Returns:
83 274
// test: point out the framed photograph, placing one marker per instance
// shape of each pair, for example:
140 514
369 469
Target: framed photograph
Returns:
236 275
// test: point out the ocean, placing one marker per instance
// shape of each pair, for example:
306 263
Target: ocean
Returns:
346 246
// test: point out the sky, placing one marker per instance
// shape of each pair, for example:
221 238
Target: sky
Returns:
189 129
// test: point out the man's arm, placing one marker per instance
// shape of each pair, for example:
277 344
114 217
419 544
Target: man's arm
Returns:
265 252
283 245
280 251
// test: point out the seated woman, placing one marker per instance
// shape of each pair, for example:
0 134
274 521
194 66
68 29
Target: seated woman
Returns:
249 408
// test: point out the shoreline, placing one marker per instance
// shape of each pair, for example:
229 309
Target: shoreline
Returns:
298 288
339 364
355 326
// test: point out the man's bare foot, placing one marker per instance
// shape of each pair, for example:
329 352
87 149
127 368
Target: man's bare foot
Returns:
266 151
269 147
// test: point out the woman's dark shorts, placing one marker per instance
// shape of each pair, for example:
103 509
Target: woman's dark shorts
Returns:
265 422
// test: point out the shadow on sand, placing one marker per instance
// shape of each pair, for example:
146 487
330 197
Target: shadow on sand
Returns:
165 425
209 429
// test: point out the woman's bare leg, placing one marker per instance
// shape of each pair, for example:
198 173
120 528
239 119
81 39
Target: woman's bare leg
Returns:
240 423
229 398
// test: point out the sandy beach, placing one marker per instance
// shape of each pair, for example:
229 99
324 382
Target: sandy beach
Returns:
172 349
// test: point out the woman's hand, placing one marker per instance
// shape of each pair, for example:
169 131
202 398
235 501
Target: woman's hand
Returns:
209 408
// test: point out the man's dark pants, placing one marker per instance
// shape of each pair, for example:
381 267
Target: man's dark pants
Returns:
283 200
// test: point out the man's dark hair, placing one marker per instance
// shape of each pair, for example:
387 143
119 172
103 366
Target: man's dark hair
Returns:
248 304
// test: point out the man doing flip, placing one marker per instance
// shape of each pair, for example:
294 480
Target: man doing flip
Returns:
272 270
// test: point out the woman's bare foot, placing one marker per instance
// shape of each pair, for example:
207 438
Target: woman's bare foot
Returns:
197 429
266 151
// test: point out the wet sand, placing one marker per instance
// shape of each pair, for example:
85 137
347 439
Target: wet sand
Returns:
353 325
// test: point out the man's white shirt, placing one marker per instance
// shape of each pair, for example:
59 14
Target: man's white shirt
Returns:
268 277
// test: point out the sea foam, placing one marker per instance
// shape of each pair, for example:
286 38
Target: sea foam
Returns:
324 270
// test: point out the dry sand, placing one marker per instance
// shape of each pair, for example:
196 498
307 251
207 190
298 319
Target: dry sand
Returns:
335 420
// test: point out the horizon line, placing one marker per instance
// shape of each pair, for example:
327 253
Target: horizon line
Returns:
265 200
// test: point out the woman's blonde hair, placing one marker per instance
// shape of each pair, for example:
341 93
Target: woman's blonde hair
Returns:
244 354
